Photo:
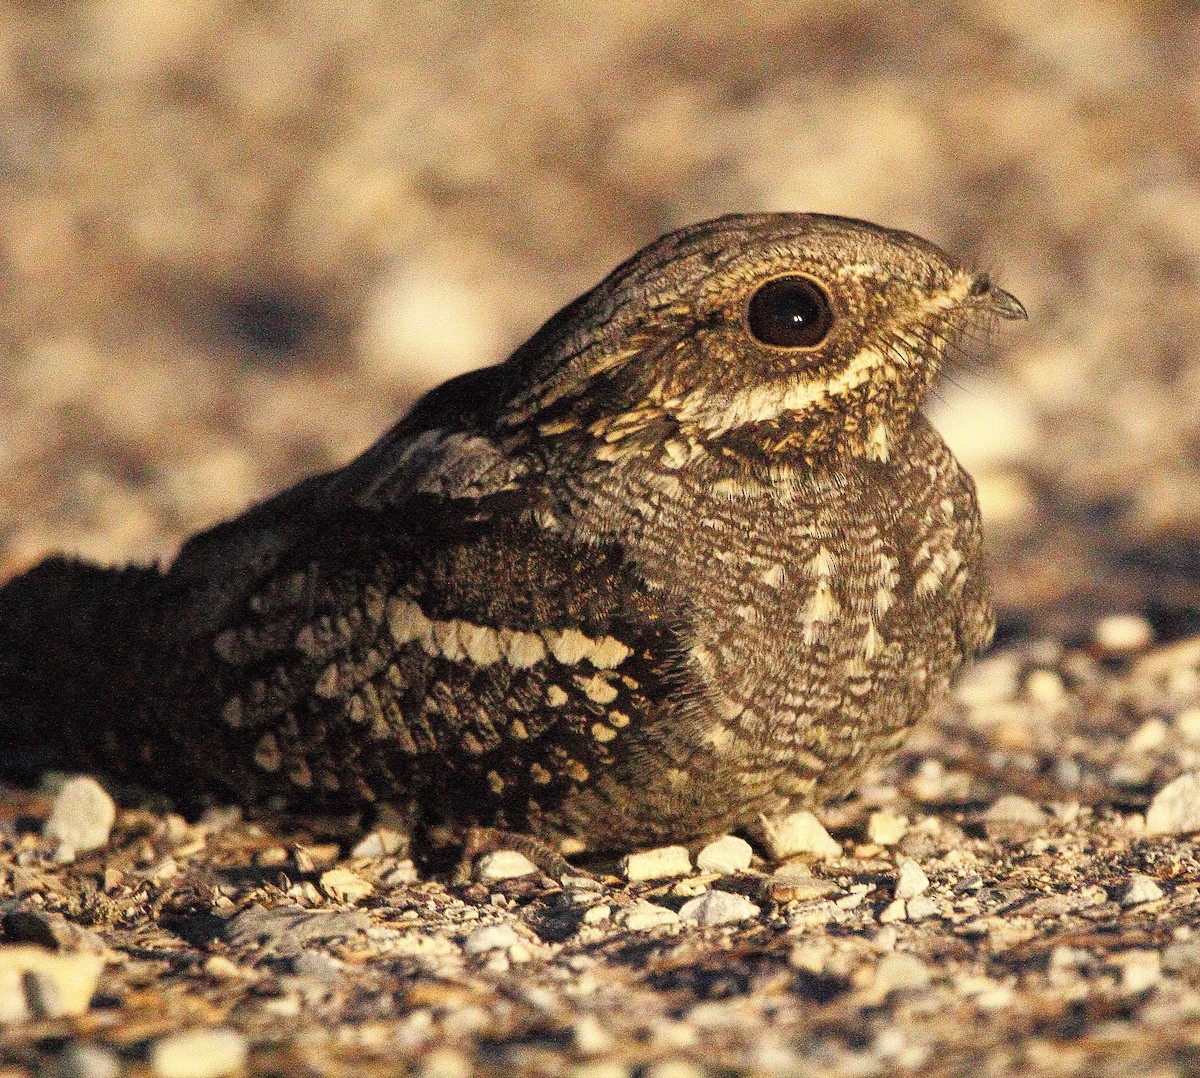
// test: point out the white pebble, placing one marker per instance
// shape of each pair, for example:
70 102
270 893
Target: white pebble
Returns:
591 1038
1141 889
991 681
921 907
1045 687
38 983
886 828
83 815
718 908
910 880
1187 723
199 1053
1123 633
662 863
490 938
893 911
1139 970
81 1060
797 833
1175 809
1151 735
642 915
726 855
1014 812
899 972
504 865
674 1068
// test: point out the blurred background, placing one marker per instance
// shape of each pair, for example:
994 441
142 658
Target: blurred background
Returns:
237 238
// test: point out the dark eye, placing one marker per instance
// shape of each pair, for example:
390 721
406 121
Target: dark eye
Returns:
790 312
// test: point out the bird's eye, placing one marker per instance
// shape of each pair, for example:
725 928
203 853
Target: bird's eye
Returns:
790 312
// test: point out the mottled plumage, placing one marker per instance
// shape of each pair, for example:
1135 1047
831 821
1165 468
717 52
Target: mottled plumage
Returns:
643 581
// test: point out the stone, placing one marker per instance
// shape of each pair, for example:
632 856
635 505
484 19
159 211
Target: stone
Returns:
662 863
1012 817
727 855
886 828
86 1061
641 915
718 908
491 938
898 972
82 816
1141 889
795 834
1140 970
343 885
910 880
1175 809
1122 634
993 680
199 1053
590 1037
1182 957
36 983
504 865
380 842
920 907
893 911
288 930
795 882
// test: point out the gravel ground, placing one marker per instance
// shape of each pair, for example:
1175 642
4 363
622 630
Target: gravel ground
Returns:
237 239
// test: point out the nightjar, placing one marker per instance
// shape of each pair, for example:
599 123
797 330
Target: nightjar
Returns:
691 554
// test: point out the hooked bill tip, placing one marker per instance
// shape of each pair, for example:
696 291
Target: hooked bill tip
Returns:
1006 305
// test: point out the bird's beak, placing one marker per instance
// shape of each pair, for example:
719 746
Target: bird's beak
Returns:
1004 305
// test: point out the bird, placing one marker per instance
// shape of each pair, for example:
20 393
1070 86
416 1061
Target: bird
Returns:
691 555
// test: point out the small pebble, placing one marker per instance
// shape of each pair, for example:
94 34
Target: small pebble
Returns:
381 842
1187 724
893 911
797 833
659 864
642 915
597 914
1122 634
795 882
1182 957
1012 817
1141 889
1139 970
490 938
86 1061
1175 809
886 828
504 865
446 1063
910 880
991 681
921 907
590 1037
718 908
727 855
674 1068
36 983
199 1053
343 885
1151 735
898 972
1045 687
82 817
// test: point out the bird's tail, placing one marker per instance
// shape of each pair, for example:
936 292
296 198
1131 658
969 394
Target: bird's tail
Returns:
74 663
